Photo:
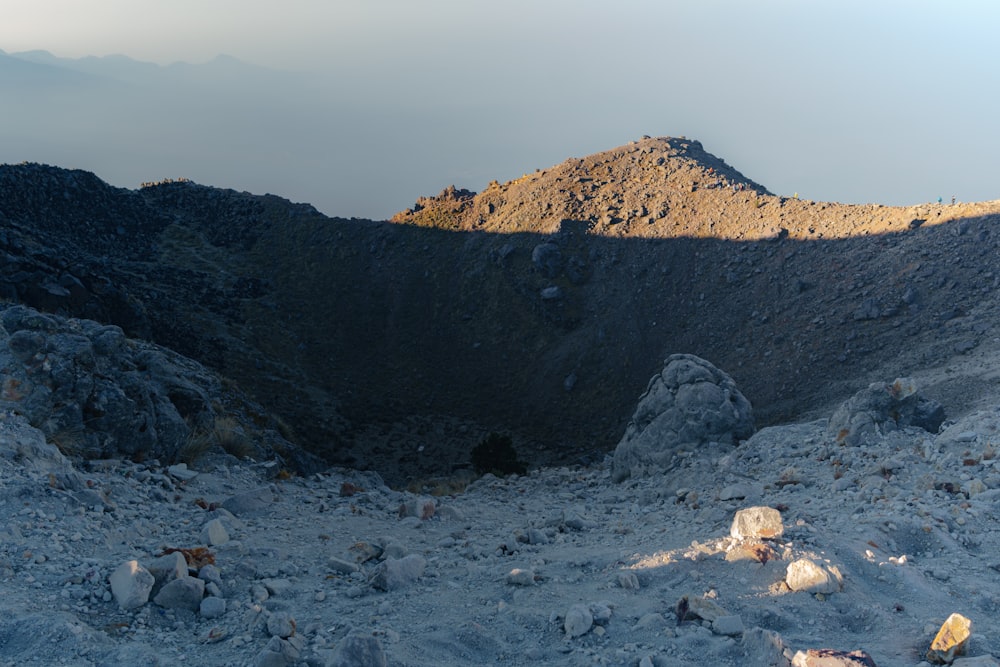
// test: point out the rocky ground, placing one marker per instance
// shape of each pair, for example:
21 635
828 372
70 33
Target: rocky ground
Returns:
175 361
730 555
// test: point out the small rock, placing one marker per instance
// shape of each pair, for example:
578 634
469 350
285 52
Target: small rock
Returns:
828 657
422 508
690 607
342 566
977 661
757 523
358 651
578 621
182 472
183 593
763 647
131 584
281 624
519 577
214 533
728 625
249 502
394 573
806 575
951 640
212 607
735 492
168 567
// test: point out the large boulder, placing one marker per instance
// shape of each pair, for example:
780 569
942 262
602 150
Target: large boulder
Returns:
689 403
95 393
883 407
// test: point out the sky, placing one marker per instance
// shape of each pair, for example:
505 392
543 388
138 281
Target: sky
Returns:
373 103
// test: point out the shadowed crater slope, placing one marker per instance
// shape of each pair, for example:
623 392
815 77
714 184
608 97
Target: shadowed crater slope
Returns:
537 308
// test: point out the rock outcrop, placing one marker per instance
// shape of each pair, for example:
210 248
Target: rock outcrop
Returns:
688 404
884 407
95 393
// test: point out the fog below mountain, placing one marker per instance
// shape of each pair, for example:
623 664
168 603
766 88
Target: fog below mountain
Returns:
365 134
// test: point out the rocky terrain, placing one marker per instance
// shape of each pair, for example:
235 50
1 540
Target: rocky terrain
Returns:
760 430
537 308
852 540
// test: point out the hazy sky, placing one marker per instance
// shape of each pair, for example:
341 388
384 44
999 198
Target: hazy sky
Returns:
891 101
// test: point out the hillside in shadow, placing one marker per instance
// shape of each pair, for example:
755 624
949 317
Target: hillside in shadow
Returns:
538 308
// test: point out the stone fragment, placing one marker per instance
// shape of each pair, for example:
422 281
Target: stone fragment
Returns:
728 625
214 533
131 584
578 621
811 577
182 472
281 624
168 567
212 607
519 577
687 405
977 661
952 640
250 502
735 492
183 593
210 574
358 651
394 573
691 607
651 620
828 657
341 565
757 523
422 508
763 647
279 653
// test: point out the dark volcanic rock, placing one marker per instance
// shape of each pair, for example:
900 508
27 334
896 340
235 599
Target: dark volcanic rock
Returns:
400 345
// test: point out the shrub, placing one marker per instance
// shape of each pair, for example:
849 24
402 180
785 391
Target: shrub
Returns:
496 454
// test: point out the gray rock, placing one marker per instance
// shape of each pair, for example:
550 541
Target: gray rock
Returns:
341 565
763 647
392 574
183 593
688 404
757 523
281 624
90 396
358 651
826 657
547 259
168 567
249 502
212 607
811 577
578 621
214 533
881 408
131 584
731 625
210 574
521 577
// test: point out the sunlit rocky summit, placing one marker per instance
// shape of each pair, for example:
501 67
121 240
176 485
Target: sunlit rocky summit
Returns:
757 429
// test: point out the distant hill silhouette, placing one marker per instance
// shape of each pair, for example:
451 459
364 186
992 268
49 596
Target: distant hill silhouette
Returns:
538 307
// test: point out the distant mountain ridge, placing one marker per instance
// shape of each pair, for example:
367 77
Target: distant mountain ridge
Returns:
539 307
